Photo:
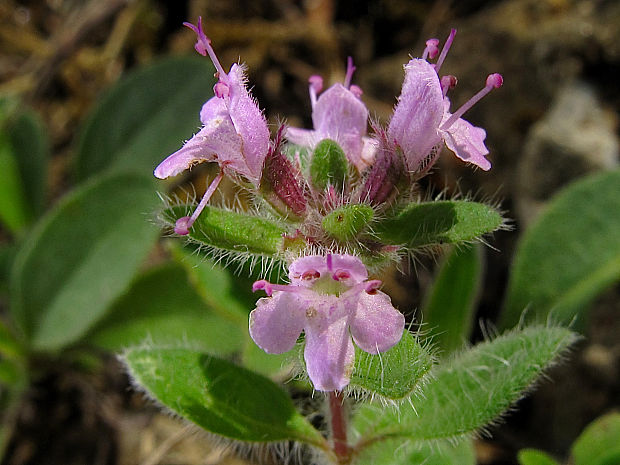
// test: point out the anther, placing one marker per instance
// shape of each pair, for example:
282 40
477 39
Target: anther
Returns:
448 83
310 275
221 90
356 90
493 82
203 46
431 50
340 275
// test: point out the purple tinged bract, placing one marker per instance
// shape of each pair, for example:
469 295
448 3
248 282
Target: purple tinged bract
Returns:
331 299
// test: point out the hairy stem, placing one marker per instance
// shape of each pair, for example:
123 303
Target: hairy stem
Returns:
339 428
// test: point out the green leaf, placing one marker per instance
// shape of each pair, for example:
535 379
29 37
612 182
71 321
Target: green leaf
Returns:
449 307
14 211
163 308
535 457
31 148
80 258
272 365
569 255
440 453
231 231
425 224
394 374
346 222
328 165
229 296
599 443
469 391
145 117
218 396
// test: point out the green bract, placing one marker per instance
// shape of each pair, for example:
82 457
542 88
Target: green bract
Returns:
444 222
346 222
328 165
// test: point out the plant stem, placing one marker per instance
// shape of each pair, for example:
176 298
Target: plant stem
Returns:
339 428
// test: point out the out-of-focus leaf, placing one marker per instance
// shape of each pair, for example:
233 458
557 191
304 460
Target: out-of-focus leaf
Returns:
80 258
449 308
162 308
218 396
569 255
444 222
31 148
469 391
145 117
535 457
599 444
14 211
394 374
441 453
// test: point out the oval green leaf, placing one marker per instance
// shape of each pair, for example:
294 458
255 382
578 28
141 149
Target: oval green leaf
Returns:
599 444
162 307
218 396
535 457
569 255
80 258
443 222
145 117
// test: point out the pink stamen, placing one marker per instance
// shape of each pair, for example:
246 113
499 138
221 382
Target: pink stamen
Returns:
221 90
340 275
263 285
494 81
372 286
203 46
329 262
310 275
448 83
356 90
444 50
184 224
431 50
350 70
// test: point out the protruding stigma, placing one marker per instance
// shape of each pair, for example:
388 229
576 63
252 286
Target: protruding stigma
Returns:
494 81
203 46
431 50
183 225
350 70
445 49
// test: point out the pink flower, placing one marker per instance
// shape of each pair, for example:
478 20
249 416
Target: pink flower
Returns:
340 115
331 299
422 119
234 132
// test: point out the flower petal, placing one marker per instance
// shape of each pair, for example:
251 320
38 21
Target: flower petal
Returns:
418 113
350 264
329 352
249 122
377 325
467 142
217 140
341 116
303 137
302 265
277 322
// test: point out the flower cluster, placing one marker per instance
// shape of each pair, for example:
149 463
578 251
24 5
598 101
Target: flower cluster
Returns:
325 185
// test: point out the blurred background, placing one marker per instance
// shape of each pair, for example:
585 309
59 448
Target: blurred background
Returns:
555 120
